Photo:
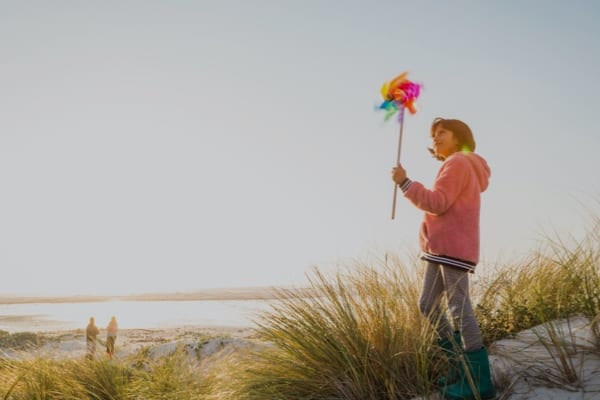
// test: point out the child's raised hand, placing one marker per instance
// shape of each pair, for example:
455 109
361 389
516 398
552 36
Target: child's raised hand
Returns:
398 174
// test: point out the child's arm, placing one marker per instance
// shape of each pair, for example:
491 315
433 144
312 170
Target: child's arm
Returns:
447 187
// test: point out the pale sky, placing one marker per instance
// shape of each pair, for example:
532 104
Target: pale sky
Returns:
180 145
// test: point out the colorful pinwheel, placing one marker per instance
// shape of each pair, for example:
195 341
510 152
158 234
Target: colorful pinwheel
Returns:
399 94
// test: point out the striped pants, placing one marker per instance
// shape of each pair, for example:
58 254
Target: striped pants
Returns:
454 283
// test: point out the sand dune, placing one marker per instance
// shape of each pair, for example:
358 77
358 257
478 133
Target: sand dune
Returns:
72 344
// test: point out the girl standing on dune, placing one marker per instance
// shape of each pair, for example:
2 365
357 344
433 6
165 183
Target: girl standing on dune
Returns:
449 239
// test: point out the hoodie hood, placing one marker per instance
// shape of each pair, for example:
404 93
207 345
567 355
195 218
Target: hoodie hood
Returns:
481 168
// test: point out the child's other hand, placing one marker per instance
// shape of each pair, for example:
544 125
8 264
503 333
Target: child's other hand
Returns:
398 174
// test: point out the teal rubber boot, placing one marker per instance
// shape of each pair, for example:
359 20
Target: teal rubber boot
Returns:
476 378
452 347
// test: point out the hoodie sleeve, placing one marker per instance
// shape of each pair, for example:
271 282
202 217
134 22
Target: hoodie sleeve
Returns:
448 185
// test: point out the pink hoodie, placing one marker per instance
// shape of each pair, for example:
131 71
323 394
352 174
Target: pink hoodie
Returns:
450 229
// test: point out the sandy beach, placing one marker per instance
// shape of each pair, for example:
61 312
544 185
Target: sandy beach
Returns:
64 343
159 342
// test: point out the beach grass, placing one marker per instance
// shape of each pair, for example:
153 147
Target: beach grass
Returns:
359 335
20 340
170 377
356 333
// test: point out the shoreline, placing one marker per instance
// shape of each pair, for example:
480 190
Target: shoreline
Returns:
218 308
71 343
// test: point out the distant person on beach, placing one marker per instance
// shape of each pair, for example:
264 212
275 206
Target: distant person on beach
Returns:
449 240
111 337
91 331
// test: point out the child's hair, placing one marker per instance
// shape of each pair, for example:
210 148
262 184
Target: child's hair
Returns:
461 132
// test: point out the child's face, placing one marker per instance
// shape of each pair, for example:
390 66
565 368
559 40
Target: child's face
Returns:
444 142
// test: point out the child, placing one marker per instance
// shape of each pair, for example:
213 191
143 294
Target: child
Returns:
449 239
91 331
111 337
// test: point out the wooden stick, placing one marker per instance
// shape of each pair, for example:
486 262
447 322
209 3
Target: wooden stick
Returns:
401 117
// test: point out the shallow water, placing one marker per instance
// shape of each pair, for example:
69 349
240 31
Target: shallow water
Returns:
37 317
